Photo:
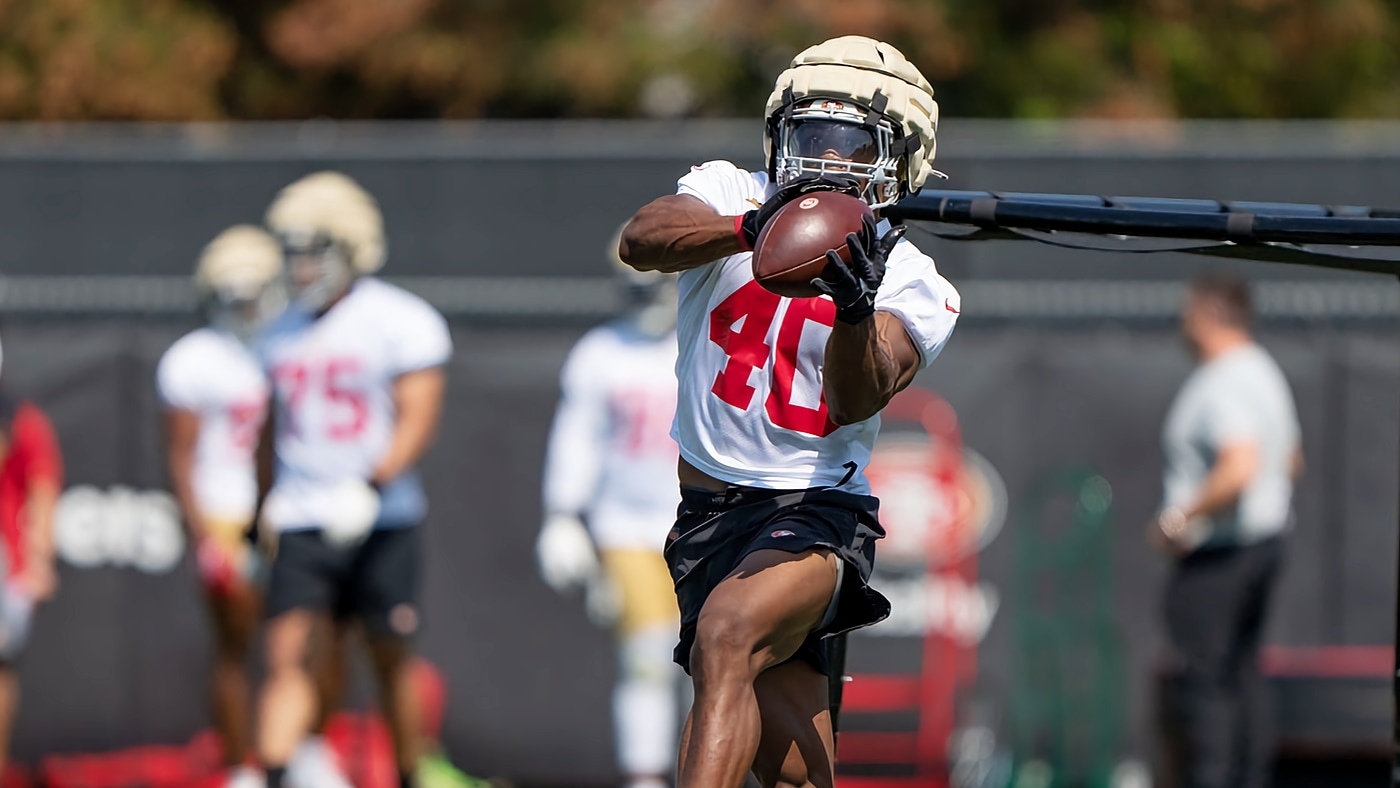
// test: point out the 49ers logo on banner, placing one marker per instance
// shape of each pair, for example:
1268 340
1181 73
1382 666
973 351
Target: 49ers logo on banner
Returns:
935 509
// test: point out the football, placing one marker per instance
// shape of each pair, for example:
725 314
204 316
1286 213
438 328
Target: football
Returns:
791 249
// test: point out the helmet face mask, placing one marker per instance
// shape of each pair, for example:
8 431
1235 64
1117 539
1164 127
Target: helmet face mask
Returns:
822 137
244 311
318 269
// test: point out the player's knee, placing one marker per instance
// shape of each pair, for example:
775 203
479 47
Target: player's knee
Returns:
287 647
724 644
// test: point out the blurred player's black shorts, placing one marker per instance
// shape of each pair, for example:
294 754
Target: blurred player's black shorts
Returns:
376 581
715 531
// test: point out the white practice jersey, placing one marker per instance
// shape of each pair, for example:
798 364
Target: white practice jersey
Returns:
751 409
333 381
611 457
215 376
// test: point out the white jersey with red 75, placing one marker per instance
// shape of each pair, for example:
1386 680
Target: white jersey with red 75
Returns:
751 409
332 380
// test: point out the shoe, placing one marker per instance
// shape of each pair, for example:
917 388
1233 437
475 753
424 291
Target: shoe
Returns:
246 777
315 765
435 771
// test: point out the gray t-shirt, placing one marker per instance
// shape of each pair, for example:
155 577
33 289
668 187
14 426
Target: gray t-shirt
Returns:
1240 396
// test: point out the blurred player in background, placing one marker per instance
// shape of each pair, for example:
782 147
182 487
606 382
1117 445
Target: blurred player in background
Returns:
778 408
215 397
1232 451
31 478
357 380
610 494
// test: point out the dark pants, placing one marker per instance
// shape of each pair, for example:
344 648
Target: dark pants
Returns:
1216 604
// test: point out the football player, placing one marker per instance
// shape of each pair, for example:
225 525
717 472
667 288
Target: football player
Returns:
31 478
357 385
610 496
779 403
215 398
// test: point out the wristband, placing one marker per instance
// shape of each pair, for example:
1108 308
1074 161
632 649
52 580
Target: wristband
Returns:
739 233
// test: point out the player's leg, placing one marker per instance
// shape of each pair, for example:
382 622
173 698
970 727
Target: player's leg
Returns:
9 704
301 594
287 703
16 614
385 587
797 747
233 597
757 617
391 658
235 612
644 700
316 762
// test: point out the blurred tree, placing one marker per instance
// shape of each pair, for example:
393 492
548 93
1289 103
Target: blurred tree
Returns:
200 59
112 59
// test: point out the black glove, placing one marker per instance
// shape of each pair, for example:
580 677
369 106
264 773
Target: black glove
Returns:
752 223
852 286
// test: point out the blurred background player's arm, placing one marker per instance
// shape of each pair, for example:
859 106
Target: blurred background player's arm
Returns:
182 435
418 405
34 437
573 465
676 233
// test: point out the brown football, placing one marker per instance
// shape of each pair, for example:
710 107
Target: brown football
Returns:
791 249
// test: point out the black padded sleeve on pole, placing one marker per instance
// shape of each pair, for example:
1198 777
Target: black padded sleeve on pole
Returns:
1147 217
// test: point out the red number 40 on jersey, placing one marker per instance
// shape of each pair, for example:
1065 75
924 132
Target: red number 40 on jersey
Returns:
740 326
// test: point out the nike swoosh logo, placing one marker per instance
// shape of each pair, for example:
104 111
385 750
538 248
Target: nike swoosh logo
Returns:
754 203
948 305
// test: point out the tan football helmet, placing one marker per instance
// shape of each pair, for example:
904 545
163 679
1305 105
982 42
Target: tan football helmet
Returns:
854 107
331 231
239 280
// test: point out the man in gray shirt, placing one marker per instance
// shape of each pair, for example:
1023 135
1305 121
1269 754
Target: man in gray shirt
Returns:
1232 451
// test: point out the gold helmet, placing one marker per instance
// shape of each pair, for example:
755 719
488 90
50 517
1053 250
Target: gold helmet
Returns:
239 280
863 101
328 220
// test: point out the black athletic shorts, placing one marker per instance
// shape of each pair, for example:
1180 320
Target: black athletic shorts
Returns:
376 581
714 532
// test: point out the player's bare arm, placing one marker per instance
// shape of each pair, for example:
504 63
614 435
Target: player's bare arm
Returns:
869 355
866 364
675 233
418 402
679 232
182 435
